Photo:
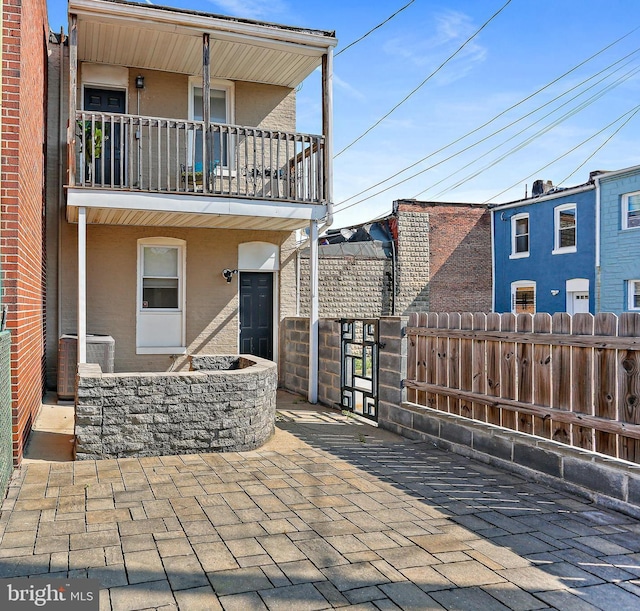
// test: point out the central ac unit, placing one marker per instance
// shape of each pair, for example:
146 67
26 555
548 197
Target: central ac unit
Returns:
100 350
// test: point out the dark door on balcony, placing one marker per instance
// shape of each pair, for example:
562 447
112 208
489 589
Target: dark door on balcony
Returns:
106 136
256 314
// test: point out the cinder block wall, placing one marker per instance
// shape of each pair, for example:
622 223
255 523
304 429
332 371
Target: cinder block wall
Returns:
349 287
25 35
294 359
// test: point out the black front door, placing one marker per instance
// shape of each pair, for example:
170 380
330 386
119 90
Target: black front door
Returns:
102 139
256 314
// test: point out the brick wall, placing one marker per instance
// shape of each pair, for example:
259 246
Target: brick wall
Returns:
24 47
348 287
444 257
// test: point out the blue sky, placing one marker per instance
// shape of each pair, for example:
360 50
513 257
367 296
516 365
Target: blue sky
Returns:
528 45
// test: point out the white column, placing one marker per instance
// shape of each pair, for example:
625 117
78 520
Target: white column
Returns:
313 312
82 285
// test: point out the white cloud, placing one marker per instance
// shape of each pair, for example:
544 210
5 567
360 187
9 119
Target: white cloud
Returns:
351 91
267 10
452 28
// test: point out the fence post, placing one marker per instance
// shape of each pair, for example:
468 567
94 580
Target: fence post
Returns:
392 361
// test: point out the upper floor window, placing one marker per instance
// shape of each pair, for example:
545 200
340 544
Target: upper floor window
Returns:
519 236
633 290
523 297
631 210
565 228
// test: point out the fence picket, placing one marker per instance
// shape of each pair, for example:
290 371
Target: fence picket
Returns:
604 383
581 379
508 378
493 368
422 370
542 373
454 362
412 353
629 385
524 324
466 364
479 378
442 349
431 360
561 376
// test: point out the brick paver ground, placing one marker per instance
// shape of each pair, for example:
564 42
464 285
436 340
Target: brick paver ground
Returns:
332 513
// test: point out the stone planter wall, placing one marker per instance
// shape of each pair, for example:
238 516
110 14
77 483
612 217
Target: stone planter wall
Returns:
226 403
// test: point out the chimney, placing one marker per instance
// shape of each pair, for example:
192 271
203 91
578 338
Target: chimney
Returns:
540 187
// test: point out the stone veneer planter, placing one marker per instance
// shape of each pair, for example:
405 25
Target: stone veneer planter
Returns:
226 403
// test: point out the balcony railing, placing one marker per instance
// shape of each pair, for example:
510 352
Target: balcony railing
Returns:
136 153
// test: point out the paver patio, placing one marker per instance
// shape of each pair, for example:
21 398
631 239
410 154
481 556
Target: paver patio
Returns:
331 513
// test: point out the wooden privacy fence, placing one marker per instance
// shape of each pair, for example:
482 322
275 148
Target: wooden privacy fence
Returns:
573 379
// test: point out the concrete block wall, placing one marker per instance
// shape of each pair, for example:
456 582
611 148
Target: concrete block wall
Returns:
349 287
294 359
229 409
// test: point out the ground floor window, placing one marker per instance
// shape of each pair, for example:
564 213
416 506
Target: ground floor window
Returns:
523 297
633 290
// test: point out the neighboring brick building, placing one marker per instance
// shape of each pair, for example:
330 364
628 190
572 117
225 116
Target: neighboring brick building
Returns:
442 254
24 55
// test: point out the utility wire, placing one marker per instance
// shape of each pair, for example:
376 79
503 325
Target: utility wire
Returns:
477 129
340 207
544 167
593 98
600 147
442 65
355 42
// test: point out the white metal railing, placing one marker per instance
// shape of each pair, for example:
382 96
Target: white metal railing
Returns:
131 152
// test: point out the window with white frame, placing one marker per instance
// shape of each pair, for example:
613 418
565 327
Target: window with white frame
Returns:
160 326
519 235
523 297
631 210
633 291
565 224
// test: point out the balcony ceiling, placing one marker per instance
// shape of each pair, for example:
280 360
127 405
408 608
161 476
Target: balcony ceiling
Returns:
160 38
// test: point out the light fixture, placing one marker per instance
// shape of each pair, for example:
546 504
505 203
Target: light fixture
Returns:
554 292
139 82
228 274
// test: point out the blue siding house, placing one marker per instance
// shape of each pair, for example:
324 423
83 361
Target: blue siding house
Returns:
618 248
544 251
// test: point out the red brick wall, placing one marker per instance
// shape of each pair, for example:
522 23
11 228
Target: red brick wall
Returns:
459 255
24 41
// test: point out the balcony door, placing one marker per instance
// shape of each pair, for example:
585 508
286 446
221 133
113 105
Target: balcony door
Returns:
102 144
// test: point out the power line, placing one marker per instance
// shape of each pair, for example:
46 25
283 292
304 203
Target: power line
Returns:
442 65
477 129
544 167
600 147
595 97
355 42
412 176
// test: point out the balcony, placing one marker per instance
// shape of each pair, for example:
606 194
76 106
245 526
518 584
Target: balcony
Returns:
126 152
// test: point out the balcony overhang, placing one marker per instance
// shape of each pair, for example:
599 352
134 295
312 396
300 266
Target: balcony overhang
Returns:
108 207
153 37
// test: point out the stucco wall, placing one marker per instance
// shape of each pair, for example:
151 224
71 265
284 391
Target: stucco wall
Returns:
619 249
212 303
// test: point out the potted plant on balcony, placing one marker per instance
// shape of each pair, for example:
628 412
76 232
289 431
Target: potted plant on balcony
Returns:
90 143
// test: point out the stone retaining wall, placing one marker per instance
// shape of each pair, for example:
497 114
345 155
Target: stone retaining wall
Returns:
226 403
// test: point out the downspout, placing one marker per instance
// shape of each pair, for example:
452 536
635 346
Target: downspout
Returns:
327 131
493 261
60 215
597 230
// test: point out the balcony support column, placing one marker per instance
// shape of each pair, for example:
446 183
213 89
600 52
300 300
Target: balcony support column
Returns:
327 130
82 285
73 98
313 312
206 111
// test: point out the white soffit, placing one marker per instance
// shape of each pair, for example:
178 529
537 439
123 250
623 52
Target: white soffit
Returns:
156 39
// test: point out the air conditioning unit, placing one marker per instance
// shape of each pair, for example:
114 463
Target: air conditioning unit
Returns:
100 350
